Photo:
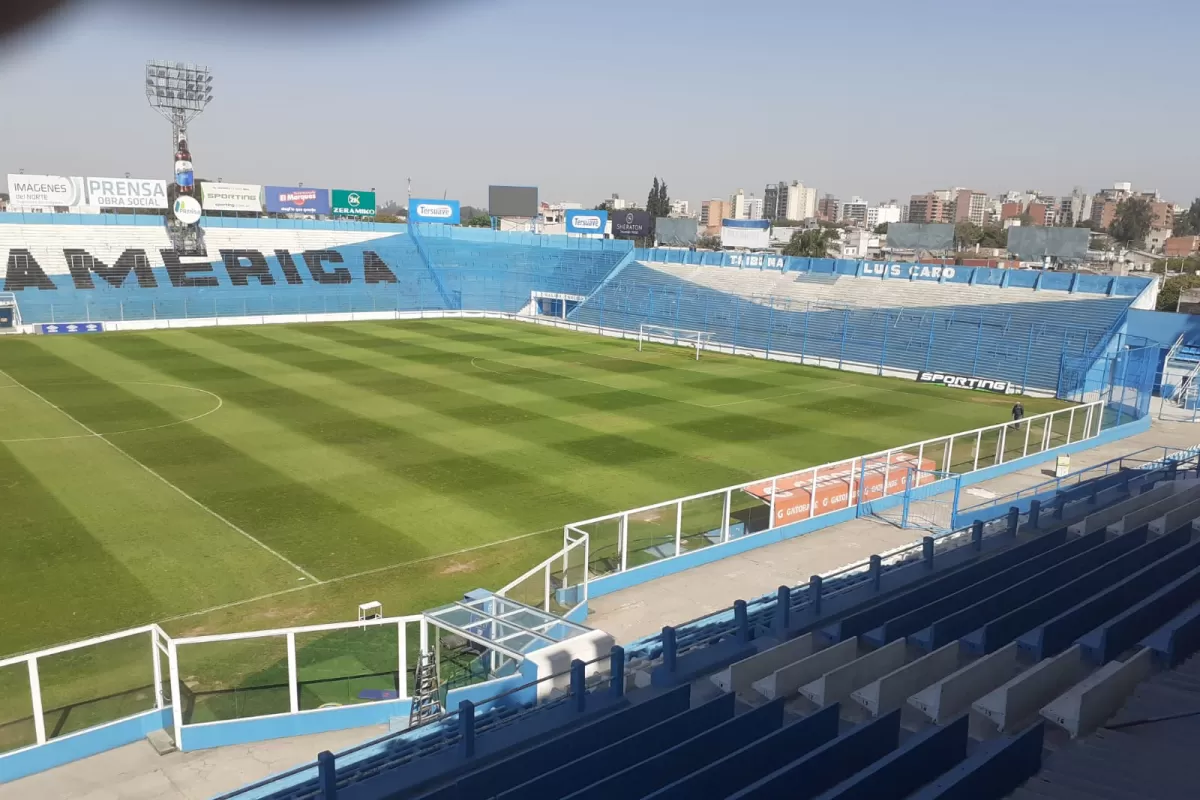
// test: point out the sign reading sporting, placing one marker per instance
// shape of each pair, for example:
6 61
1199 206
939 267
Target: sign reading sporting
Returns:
44 191
231 196
446 211
126 193
579 221
631 224
297 200
963 382
353 203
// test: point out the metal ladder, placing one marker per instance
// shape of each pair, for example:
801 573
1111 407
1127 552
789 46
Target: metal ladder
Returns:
426 702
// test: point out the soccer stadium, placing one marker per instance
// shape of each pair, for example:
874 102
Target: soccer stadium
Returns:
308 506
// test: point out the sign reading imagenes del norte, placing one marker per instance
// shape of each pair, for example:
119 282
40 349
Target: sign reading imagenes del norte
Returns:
352 203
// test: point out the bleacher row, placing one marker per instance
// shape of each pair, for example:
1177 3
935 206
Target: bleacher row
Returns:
948 673
1017 335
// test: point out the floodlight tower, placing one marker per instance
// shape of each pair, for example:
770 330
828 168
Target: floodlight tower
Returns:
179 92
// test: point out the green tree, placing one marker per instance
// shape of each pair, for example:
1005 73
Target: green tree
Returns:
1131 222
1188 223
478 221
708 243
968 234
882 228
812 243
1168 295
993 236
385 218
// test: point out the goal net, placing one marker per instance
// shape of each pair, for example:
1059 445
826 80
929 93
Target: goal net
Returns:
660 334
10 313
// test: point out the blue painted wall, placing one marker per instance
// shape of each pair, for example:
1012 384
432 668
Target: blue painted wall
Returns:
66 749
1164 327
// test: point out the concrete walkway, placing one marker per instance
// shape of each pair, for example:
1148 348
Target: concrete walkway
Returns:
642 610
136 772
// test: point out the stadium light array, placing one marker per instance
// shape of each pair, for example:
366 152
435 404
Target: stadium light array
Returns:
178 91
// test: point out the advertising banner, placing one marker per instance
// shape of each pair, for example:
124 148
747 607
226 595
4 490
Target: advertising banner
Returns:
579 221
964 382
72 327
184 176
231 196
631 224
44 191
804 495
748 234
126 193
187 209
447 211
297 200
353 203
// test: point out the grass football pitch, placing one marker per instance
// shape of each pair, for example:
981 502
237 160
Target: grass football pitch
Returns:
224 479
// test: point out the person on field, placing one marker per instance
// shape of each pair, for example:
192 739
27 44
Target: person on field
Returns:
1018 411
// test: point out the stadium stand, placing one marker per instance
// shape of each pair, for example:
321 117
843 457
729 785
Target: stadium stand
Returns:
950 671
129 271
1015 334
1009 325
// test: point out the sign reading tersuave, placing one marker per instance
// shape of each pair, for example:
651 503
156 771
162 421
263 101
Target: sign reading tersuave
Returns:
446 211
126 193
579 221
963 382
297 200
353 203
44 191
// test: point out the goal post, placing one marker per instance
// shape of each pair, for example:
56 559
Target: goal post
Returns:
10 313
661 334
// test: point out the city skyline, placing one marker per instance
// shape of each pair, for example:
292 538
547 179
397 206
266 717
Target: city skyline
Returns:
461 96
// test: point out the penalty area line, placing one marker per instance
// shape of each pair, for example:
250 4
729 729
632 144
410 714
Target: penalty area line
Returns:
102 437
353 575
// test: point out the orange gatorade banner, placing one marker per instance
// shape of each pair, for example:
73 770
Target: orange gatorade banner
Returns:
795 499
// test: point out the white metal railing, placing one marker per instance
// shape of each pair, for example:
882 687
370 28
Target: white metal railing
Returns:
101 678
629 539
540 586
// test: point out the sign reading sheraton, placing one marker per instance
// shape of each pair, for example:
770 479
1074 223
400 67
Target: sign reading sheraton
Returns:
353 203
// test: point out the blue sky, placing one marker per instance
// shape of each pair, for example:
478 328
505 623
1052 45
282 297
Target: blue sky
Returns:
878 99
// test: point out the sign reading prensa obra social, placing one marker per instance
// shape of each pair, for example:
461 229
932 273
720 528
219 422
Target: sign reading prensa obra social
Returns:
353 203
445 211
579 221
44 191
126 193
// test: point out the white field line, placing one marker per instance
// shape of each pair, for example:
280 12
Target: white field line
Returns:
831 388
308 575
362 574
307 586
212 410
